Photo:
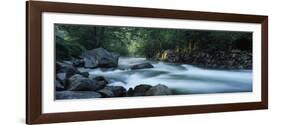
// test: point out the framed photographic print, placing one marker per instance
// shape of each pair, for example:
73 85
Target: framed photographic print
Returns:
93 62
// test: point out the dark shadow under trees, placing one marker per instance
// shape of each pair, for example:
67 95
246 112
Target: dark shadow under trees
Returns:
204 48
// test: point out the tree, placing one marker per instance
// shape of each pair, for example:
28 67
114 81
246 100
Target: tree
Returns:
72 40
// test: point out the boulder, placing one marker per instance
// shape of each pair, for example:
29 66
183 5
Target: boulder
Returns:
66 68
61 77
80 83
118 91
90 62
141 89
101 81
100 78
142 66
101 84
130 92
77 95
82 69
59 86
100 57
67 62
85 74
158 90
78 62
105 92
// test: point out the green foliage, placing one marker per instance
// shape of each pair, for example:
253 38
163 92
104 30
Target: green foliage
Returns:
66 47
71 40
62 52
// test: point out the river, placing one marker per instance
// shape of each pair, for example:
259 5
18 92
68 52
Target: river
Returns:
181 78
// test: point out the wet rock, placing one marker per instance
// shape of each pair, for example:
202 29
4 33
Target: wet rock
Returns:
100 78
158 90
100 57
118 91
141 89
61 77
101 81
85 74
78 62
68 62
77 95
130 92
59 86
80 83
90 62
66 68
105 92
142 66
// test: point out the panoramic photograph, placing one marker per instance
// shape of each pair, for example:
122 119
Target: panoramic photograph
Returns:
116 61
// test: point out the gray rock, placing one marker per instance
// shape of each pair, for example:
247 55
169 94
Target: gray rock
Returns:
90 62
84 69
142 66
99 78
100 57
130 92
118 91
68 62
59 86
61 77
66 68
78 62
105 92
101 81
80 83
85 74
77 95
158 90
141 89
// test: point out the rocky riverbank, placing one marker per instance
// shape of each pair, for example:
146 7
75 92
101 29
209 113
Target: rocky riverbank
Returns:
71 83
233 59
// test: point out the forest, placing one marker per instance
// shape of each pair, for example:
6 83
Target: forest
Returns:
203 48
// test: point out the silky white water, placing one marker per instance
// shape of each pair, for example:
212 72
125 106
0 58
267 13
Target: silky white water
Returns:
182 78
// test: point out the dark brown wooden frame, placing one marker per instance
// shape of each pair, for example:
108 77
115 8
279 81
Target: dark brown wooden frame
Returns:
34 10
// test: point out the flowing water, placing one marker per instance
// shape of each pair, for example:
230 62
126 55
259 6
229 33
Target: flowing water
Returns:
181 78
